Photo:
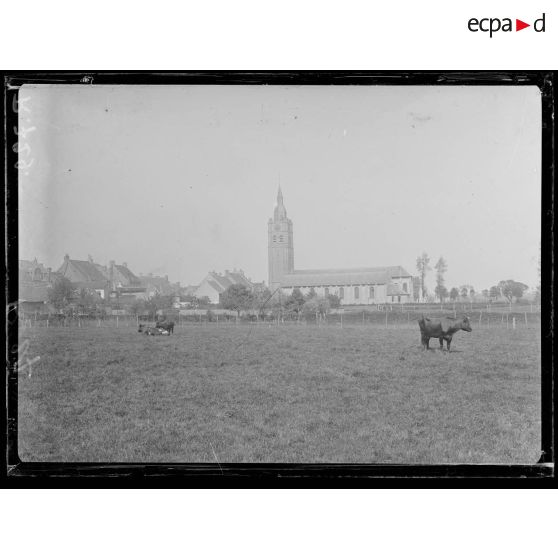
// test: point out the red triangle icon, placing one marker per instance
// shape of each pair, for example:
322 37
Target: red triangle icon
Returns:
519 25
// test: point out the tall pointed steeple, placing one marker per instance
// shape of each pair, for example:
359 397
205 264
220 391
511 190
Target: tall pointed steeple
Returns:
280 243
280 213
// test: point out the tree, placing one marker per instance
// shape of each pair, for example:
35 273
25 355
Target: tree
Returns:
486 293
261 299
494 293
203 302
311 294
315 306
464 291
138 307
294 302
441 267
441 292
511 289
61 293
86 301
237 297
334 301
423 268
454 293
472 293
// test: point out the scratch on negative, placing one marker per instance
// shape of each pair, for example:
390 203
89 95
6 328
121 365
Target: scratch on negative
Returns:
216 458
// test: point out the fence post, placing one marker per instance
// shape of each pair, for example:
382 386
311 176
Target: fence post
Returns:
363 317
507 321
47 322
513 322
386 319
525 318
117 320
480 318
341 320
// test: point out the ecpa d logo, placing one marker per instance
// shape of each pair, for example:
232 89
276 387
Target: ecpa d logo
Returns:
492 25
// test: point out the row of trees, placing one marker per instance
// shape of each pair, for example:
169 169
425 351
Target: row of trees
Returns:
508 289
240 298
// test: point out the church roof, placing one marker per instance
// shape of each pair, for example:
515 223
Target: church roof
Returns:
339 277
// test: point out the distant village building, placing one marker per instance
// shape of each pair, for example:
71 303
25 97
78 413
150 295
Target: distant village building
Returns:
157 285
35 281
214 284
360 286
114 283
85 274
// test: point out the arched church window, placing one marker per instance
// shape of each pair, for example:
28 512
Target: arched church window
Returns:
341 292
371 292
357 292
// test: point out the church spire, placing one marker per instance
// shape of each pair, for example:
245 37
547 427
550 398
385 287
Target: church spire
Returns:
280 212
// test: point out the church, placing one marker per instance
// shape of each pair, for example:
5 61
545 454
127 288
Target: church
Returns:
358 286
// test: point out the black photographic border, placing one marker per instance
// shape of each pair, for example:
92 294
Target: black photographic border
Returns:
67 474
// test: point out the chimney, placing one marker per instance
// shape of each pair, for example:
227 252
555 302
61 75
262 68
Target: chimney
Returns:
49 269
125 264
89 258
66 258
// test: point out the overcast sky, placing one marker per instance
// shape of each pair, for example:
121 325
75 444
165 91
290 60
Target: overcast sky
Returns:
181 180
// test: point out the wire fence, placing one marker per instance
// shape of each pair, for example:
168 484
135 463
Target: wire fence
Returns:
379 317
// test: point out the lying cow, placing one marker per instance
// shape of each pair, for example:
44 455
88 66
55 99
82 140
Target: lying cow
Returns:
148 330
166 325
443 328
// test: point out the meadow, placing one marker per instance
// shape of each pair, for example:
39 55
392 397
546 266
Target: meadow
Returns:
279 393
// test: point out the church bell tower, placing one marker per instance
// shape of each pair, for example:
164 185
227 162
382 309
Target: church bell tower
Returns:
280 244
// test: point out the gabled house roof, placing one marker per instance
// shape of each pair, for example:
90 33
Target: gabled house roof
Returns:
221 282
128 275
86 272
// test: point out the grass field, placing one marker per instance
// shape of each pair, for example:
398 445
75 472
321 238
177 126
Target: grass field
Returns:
287 393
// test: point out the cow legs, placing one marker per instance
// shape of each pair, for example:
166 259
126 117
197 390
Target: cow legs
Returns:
441 339
449 343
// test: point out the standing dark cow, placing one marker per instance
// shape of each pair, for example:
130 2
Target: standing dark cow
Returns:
443 328
167 325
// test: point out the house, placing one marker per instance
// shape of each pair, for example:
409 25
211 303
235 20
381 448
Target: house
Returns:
361 286
85 274
34 271
113 282
35 282
157 285
214 284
